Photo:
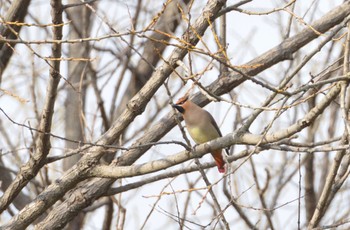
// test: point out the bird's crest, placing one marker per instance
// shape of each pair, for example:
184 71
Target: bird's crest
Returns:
182 100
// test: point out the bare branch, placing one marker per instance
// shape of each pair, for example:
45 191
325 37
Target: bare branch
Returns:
16 13
31 168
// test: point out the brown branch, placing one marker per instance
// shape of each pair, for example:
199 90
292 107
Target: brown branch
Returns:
16 13
96 187
239 210
330 189
212 194
274 56
167 22
309 179
226 84
126 62
32 167
66 6
323 201
232 139
67 41
108 216
135 107
261 195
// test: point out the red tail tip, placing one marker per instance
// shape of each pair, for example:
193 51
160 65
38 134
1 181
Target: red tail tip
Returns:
221 170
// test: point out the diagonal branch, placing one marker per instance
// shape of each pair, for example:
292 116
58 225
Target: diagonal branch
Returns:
225 84
117 172
31 168
97 187
16 13
135 107
331 187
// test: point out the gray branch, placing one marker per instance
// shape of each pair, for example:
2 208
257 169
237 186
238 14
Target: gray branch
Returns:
35 163
16 13
58 218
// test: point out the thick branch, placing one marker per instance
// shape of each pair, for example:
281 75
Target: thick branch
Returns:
137 104
223 85
31 168
112 171
226 84
166 24
16 13
330 189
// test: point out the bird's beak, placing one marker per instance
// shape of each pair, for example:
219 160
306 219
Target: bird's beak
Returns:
179 108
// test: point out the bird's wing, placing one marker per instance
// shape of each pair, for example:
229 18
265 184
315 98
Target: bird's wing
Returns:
213 122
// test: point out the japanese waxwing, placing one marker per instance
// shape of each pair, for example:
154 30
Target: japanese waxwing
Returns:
201 126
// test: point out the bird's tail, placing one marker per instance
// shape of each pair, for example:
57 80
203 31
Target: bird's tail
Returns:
219 160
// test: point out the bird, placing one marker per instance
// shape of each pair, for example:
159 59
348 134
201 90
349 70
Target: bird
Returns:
201 126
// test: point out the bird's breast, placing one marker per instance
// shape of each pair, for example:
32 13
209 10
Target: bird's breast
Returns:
201 135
